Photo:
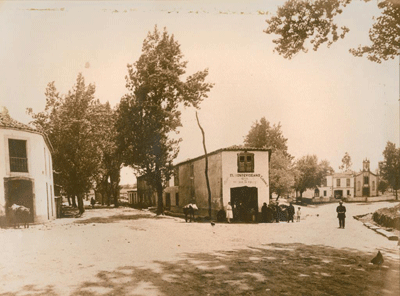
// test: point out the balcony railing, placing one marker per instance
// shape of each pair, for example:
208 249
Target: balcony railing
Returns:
18 164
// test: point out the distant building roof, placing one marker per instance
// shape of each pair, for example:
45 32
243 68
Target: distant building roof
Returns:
347 174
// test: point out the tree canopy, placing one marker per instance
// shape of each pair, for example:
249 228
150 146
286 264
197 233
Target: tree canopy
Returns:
346 162
264 135
68 120
310 172
298 21
390 166
149 113
281 174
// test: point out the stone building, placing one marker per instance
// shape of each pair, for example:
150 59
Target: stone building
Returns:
26 173
238 175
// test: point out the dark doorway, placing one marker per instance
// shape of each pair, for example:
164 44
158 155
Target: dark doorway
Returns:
338 193
245 203
19 192
365 191
168 201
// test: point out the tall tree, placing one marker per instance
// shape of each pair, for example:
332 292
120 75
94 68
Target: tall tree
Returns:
298 21
346 163
310 173
68 123
390 166
281 174
264 135
149 112
107 179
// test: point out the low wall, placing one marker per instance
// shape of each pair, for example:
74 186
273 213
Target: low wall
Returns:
370 199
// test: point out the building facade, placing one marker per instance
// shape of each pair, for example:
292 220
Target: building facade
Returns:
236 175
26 173
347 185
366 183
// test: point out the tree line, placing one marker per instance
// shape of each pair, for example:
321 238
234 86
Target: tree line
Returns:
288 175
92 140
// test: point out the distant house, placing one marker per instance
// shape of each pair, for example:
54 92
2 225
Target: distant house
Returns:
238 175
347 185
26 173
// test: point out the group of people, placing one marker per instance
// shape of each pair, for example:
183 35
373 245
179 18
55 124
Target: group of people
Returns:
273 212
269 213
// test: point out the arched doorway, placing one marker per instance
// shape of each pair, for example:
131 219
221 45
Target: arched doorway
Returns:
19 192
244 201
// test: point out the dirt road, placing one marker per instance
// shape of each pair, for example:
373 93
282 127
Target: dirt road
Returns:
129 252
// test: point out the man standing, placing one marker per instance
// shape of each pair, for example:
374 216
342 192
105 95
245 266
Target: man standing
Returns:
341 214
290 212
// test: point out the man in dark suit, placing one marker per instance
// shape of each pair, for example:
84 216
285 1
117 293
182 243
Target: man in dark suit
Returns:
290 211
341 214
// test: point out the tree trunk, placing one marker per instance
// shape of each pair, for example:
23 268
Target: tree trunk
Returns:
73 201
160 205
69 200
206 169
80 204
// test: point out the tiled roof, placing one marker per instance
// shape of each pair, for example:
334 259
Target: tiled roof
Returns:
7 122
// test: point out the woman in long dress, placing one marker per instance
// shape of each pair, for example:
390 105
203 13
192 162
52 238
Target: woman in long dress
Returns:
229 212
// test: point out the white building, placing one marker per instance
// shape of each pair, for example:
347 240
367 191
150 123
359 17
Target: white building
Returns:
26 176
238 175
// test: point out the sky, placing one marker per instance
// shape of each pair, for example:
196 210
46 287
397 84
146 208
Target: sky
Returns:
328 102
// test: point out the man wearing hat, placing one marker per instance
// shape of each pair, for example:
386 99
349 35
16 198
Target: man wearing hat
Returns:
341 210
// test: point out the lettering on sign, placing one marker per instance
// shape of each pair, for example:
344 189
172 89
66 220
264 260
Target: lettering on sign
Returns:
245 178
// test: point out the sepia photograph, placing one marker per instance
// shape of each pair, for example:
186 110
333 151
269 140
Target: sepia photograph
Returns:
199 147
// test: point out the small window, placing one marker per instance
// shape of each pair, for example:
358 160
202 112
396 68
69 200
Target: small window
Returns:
337 182
177 199
358 185
366 180
18 156
324 192
373 185
348 182
348 192
246 162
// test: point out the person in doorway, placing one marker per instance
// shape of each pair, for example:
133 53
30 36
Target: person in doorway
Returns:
298 214
290 212
264 212
92 202
229 212
341 214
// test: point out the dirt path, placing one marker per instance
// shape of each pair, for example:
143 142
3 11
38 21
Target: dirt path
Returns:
129 252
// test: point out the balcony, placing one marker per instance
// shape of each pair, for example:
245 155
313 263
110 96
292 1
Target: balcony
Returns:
18 164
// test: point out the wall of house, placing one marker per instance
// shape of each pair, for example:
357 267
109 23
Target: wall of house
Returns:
348 191
40 172
232 178
193 186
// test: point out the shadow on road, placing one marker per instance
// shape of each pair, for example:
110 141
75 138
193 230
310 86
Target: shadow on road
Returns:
275 269
116 218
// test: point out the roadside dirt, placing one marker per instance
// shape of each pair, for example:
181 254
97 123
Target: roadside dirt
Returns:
129 252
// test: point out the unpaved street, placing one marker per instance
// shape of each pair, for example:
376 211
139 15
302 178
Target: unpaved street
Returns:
129 252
